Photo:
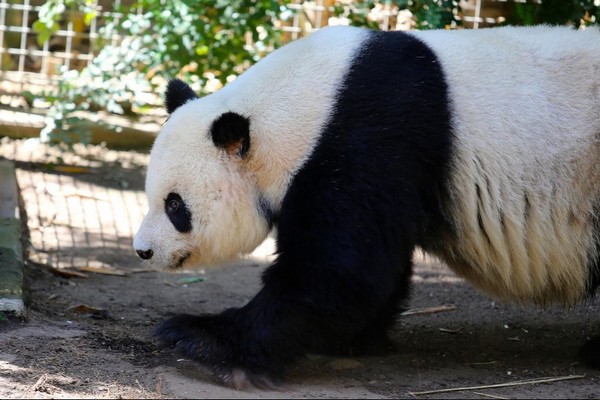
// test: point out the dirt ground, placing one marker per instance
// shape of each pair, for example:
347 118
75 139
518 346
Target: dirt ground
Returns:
89 336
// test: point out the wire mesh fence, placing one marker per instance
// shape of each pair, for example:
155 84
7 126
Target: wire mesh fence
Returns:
24 61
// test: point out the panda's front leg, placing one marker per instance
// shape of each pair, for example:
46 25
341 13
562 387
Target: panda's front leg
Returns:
247 346
226 345
320 308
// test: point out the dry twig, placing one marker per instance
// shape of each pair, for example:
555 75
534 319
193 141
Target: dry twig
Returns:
497 385
428 310
103 270
491 396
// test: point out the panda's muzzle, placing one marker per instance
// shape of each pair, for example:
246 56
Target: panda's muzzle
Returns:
147 254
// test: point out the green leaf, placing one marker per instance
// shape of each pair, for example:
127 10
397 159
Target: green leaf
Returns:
192 279
202 50
44 31
89 17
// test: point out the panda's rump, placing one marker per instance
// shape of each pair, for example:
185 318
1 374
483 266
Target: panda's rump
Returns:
524 187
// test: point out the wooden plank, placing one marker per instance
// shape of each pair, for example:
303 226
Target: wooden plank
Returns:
116 131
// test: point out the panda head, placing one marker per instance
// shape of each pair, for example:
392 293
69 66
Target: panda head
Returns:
204 204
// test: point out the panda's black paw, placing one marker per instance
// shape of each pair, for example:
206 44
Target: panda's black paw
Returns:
217 342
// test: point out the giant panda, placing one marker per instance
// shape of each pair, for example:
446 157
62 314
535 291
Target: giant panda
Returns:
481 147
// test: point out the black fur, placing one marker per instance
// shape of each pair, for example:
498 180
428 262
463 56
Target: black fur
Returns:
178 213
348 224
177 94
232 130
590 352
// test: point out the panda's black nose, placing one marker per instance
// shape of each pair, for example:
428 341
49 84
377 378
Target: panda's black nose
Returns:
145 254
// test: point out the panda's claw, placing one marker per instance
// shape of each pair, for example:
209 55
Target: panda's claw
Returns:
243 379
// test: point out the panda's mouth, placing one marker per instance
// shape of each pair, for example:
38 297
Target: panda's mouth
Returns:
180 261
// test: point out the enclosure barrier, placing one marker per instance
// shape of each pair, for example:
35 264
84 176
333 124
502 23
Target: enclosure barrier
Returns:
27 66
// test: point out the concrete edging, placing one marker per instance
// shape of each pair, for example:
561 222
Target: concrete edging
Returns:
11 250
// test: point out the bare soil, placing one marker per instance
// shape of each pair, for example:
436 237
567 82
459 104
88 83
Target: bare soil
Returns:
91 336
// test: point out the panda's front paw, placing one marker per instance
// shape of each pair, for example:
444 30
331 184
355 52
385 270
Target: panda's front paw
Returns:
217 342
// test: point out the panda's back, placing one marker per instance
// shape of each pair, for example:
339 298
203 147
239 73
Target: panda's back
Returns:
524 186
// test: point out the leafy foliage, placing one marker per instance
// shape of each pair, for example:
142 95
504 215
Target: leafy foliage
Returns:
432 14
51 12
556 12
110 83
440 14
356 12
194 38
197 40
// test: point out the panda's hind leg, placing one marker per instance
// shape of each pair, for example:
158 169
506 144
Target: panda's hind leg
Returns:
374 339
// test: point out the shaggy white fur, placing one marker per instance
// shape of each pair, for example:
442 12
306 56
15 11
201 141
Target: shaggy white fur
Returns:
526 175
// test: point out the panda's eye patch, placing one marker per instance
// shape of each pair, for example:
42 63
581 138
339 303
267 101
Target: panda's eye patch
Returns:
178 213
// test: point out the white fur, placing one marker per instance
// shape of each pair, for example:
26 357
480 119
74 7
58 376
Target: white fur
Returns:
288 97
526 114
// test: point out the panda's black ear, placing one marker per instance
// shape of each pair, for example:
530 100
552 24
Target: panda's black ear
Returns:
178 93
231 131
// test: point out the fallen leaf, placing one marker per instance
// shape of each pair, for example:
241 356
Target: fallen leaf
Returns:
66 273
84 309
192 279
70 169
